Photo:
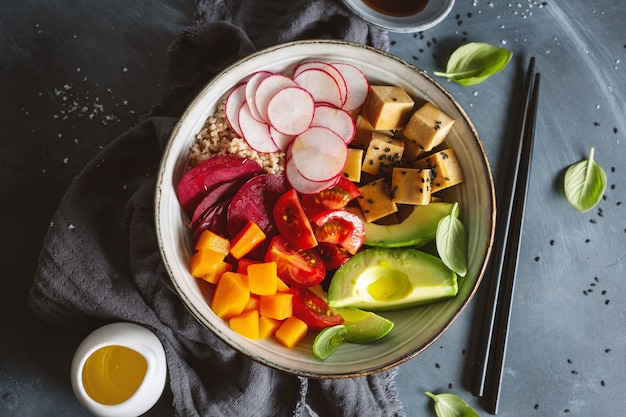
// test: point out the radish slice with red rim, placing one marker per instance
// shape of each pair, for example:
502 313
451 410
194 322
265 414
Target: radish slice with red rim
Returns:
234 101
319 154
281 140
337 120
267 88
329 68
291 110
255 133
321 85
358 86
302 184
251 87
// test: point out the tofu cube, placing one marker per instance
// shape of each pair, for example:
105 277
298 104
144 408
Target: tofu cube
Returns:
387 107
428 127
375 200
411 186
383 152
445 169
363 133
352 170
412 149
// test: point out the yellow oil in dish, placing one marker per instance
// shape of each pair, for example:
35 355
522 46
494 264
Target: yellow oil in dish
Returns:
112 374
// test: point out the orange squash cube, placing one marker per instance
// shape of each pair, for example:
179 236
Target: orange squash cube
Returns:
213 241
246 324
268 326
291 331
263 278
277 306
231 295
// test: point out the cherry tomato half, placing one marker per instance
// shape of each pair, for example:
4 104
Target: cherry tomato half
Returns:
292 222
336 197
333 255
340 227
295 266
312 310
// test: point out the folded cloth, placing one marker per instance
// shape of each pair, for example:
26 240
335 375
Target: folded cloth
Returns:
100 261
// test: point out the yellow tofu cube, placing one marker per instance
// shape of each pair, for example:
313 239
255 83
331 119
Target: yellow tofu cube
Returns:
363 133
387 107
375 200
352 170
411 186
383 152
445 169
428 127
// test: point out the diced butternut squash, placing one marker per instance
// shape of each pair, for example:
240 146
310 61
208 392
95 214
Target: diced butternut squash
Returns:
277 306
204 262
213 241
291 331
254 303
231 295
246 324
242 265
248 239
216 273
268 326
263 278
281 286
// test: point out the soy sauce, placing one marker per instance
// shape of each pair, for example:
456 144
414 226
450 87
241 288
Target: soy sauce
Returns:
398 8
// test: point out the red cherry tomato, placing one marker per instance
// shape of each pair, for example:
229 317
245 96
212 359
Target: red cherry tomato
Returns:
340 227
292 222
336 197
295 266
312 310
333 255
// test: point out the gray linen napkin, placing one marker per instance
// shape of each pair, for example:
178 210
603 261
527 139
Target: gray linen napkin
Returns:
100 262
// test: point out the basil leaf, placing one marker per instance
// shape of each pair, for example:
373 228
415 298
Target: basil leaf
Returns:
584 183
474 62
451 241
450 405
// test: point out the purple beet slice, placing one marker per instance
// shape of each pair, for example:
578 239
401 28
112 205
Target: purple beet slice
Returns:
213 219
198 181
255 201
217 193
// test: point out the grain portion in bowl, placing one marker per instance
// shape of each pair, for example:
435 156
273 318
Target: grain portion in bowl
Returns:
217 138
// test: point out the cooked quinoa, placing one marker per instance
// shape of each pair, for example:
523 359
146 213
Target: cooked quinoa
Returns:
217 138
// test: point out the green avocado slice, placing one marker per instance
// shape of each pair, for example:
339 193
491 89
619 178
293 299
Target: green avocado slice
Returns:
418 229
380 279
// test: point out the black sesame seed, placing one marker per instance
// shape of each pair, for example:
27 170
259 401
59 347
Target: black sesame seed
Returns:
615 130
596 123
602 383
607 350
370 200
537 259
593 221
552 242
606 302
437 366
536 407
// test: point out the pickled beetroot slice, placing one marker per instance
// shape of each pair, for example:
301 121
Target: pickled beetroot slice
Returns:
250 92
254 132
335 119
319 154
291 110
234 101
321 85
357 84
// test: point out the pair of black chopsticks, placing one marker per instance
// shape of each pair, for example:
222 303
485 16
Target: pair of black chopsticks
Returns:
503 267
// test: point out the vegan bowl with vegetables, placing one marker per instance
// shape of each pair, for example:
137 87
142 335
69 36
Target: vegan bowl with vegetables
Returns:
295 197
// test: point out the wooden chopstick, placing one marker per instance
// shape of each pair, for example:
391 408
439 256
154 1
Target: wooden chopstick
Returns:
490 358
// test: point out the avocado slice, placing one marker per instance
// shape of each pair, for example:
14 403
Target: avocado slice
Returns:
380 279
418 229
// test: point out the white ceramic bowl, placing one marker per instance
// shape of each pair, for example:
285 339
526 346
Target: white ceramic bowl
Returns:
415 329
434 12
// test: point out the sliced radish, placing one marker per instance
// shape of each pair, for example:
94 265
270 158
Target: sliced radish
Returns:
319 154
303 185
233 104
337 120
251 87
321 85
358 86
255 133
329 68
267 88
291 110
281 140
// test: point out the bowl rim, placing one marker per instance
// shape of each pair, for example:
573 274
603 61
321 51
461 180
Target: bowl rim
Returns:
395 361
414 23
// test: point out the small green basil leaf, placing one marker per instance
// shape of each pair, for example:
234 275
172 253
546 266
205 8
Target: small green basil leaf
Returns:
450 405
451 241
474 62
584 183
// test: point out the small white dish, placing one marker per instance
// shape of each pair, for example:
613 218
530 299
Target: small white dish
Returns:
434 12
109 349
